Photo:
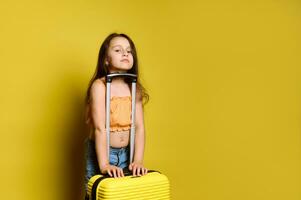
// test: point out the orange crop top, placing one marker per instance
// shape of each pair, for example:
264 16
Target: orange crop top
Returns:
120 113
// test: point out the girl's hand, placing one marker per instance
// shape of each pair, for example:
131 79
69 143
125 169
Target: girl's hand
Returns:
137 168
112 170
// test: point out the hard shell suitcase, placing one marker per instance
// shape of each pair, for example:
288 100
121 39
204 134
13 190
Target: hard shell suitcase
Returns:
152 186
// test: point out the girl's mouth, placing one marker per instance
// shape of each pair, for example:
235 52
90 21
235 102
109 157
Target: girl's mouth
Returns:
125 60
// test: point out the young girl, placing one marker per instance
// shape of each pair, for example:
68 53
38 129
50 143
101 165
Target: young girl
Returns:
117 54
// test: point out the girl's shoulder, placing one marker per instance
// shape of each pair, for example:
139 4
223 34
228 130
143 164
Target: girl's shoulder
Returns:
97 86
99 82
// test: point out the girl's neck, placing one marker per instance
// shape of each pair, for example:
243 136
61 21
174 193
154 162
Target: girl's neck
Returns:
115 70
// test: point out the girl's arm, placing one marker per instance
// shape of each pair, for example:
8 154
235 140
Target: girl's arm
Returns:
98 117
137 165
98 91
140 133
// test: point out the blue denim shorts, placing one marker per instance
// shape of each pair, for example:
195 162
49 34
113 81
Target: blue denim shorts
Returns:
118 157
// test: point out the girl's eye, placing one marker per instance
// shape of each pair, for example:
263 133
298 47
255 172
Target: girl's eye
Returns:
118 51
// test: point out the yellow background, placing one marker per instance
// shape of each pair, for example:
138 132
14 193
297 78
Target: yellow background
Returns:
223 121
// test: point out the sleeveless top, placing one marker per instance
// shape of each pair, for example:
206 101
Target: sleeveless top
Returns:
120 113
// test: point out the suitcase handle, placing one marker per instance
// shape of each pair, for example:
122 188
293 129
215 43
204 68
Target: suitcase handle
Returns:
126 172
109 79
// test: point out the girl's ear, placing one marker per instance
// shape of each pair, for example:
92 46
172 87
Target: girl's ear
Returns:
107 58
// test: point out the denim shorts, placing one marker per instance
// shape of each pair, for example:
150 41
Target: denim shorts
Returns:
118 157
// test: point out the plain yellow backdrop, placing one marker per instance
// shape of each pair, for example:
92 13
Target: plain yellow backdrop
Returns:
223 121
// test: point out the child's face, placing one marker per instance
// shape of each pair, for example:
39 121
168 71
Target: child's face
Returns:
119 55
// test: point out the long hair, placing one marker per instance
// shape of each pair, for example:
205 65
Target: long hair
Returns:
102 69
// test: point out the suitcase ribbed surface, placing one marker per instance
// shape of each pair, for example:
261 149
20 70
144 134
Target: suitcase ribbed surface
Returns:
151 186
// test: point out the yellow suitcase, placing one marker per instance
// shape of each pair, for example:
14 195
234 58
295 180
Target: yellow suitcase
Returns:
152 186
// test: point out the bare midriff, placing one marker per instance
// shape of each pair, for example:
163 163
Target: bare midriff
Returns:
117 139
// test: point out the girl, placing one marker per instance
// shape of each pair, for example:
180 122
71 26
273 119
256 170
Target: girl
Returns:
117 54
